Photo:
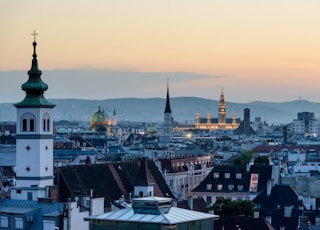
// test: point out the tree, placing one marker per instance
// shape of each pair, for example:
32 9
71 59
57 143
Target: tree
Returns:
262 160
225 206
244 158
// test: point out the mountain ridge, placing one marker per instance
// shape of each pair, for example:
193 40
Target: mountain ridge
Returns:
183 109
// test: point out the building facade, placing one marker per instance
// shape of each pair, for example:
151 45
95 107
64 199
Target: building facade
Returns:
219 123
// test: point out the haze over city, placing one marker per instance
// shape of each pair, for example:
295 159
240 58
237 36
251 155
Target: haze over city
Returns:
254 50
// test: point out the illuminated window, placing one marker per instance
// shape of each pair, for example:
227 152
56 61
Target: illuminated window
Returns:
254 182
219 186
209 186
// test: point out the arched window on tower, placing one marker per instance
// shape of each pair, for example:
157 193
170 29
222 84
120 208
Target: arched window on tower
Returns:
27 123
48 125
32 125
44 125
46 122
24 125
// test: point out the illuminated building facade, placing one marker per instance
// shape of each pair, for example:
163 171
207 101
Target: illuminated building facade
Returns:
219 123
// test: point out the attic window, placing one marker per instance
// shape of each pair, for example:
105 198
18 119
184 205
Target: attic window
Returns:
240 187
219 186
227 175
231 187
216 175
209 186
238 175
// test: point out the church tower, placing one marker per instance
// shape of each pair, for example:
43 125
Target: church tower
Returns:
222 110
168 119
34 138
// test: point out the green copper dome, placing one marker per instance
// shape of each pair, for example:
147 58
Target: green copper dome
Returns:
34 87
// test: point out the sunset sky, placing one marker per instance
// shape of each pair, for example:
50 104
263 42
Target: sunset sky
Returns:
254 50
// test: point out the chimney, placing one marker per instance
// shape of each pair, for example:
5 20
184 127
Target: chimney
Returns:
269 187
190 202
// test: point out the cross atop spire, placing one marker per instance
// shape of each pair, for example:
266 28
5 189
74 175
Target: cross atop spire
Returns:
34 35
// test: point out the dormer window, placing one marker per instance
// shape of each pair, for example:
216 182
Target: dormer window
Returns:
219 186
231 187
227 175
209 186
216 175
238 175
240 187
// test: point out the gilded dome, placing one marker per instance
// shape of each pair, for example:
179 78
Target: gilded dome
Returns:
98 117
152 130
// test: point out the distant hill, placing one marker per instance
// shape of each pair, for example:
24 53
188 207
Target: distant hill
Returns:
183 109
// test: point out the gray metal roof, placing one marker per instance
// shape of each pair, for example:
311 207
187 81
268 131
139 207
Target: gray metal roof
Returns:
174 216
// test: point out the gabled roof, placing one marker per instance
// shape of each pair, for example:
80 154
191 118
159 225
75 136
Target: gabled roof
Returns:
143 178
110 180
281 195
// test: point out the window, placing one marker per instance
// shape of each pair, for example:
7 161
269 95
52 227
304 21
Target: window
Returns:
216 175
209 201
4 222
240 187
31 125
46 122
219 186
24 125
18 222
227 175
231 186
44 125
27 122
238 175
209 186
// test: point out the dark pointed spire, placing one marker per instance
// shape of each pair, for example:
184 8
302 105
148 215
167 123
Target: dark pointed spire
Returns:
168 108
114 111
34 87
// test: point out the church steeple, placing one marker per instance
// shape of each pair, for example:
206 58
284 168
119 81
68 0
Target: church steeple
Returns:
34 138
34 87
168 108
222 109
168 119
